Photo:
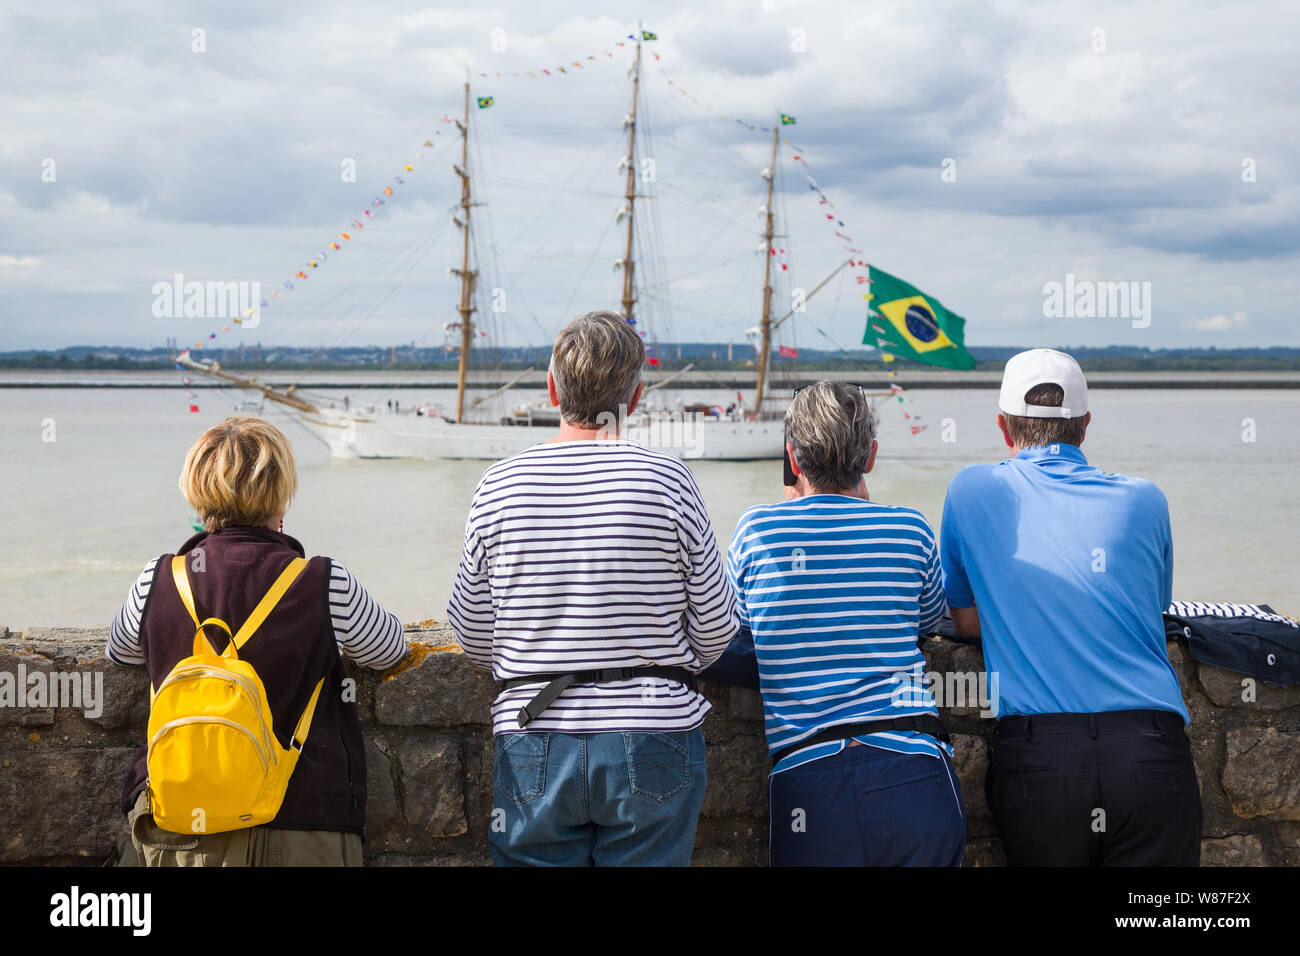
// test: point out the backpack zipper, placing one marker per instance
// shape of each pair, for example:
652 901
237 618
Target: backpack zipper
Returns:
348 753
213 720
234 678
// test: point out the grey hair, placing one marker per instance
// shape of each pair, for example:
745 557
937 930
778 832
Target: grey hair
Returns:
596 363
832 429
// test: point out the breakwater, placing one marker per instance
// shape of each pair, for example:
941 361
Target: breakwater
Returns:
429 756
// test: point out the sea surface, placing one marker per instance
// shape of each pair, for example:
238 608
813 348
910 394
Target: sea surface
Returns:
83 512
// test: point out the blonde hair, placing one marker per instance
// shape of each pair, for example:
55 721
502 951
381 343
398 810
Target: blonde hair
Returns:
240 472
831 428
596 364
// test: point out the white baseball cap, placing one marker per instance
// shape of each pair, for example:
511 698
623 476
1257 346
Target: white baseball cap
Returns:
1043 367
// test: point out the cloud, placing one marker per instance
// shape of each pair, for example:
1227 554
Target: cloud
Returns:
1217 323
226 164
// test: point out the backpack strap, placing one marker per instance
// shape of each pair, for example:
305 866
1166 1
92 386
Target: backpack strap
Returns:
250 626
304 722
269 601
182 580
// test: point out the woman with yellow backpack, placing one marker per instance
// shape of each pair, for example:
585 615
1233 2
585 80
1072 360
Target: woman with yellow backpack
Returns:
254 754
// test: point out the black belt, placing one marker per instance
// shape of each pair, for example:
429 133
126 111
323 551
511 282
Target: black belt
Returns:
557 683
1111 721
922 724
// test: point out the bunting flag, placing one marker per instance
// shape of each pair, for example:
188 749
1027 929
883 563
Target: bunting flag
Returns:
786 351
484 102
913 324
862 275
568 67
787 120
315 262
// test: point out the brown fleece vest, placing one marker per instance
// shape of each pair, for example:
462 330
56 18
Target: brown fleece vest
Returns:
291 651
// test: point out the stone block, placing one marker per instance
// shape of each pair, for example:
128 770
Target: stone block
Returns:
383 810
984 852
1226 689
432 788
1240 850
971 761
439 689
1262 774
61 804
737 778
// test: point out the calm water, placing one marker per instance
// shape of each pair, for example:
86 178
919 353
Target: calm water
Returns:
83 514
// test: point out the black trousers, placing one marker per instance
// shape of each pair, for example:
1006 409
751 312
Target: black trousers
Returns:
1110 789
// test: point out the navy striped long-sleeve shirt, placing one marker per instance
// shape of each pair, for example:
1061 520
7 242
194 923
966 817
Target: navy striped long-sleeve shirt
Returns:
585 555
364 631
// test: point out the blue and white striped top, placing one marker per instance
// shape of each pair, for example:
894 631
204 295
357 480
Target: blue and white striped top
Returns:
836 591
590 554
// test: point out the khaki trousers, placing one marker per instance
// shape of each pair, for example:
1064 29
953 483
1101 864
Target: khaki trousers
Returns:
256 846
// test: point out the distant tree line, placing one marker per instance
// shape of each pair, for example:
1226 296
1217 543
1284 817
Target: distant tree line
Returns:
1115 359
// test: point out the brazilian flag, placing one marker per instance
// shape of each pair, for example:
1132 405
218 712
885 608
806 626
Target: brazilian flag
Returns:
787 120
647 35
909 323
484 102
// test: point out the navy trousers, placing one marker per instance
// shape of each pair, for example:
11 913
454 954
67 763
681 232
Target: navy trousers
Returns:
867 807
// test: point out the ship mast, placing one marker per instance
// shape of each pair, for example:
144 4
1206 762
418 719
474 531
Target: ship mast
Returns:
629 286
467 278
765 324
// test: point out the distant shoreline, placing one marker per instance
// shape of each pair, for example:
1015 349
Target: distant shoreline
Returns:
440 379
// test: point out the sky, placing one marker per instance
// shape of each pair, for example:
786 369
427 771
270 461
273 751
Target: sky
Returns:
981 151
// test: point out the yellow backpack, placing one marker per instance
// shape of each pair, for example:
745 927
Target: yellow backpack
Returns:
214 761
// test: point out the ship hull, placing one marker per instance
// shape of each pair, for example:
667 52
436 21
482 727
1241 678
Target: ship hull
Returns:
433 438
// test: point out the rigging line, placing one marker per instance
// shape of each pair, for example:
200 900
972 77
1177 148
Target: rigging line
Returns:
415 175
595 250
345 308
708 124
714 214
304 309
527 184
390 282
387 295
543 241
588 157
698 272
701 153
722 155
695 257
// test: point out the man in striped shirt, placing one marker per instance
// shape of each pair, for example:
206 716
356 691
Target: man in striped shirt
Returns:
592 586
837 590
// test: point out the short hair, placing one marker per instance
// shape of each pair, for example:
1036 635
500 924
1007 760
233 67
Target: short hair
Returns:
596 364
832 429
239 473
1029 432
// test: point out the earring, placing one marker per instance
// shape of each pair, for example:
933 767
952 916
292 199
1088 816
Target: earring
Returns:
282 526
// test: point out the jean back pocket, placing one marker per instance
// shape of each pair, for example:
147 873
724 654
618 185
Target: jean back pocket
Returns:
658 765
521 766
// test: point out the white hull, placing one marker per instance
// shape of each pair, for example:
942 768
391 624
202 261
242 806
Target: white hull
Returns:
381 435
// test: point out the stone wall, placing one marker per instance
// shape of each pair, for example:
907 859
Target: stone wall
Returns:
429 756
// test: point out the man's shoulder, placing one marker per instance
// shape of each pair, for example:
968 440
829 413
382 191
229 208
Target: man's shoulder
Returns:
973 477
557 457
1143 492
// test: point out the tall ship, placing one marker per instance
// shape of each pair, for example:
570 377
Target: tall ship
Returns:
482 425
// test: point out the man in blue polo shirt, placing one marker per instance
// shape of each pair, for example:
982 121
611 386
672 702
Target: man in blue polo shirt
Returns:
1064 570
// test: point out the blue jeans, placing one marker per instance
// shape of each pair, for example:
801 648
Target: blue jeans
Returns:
603 799
865 806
